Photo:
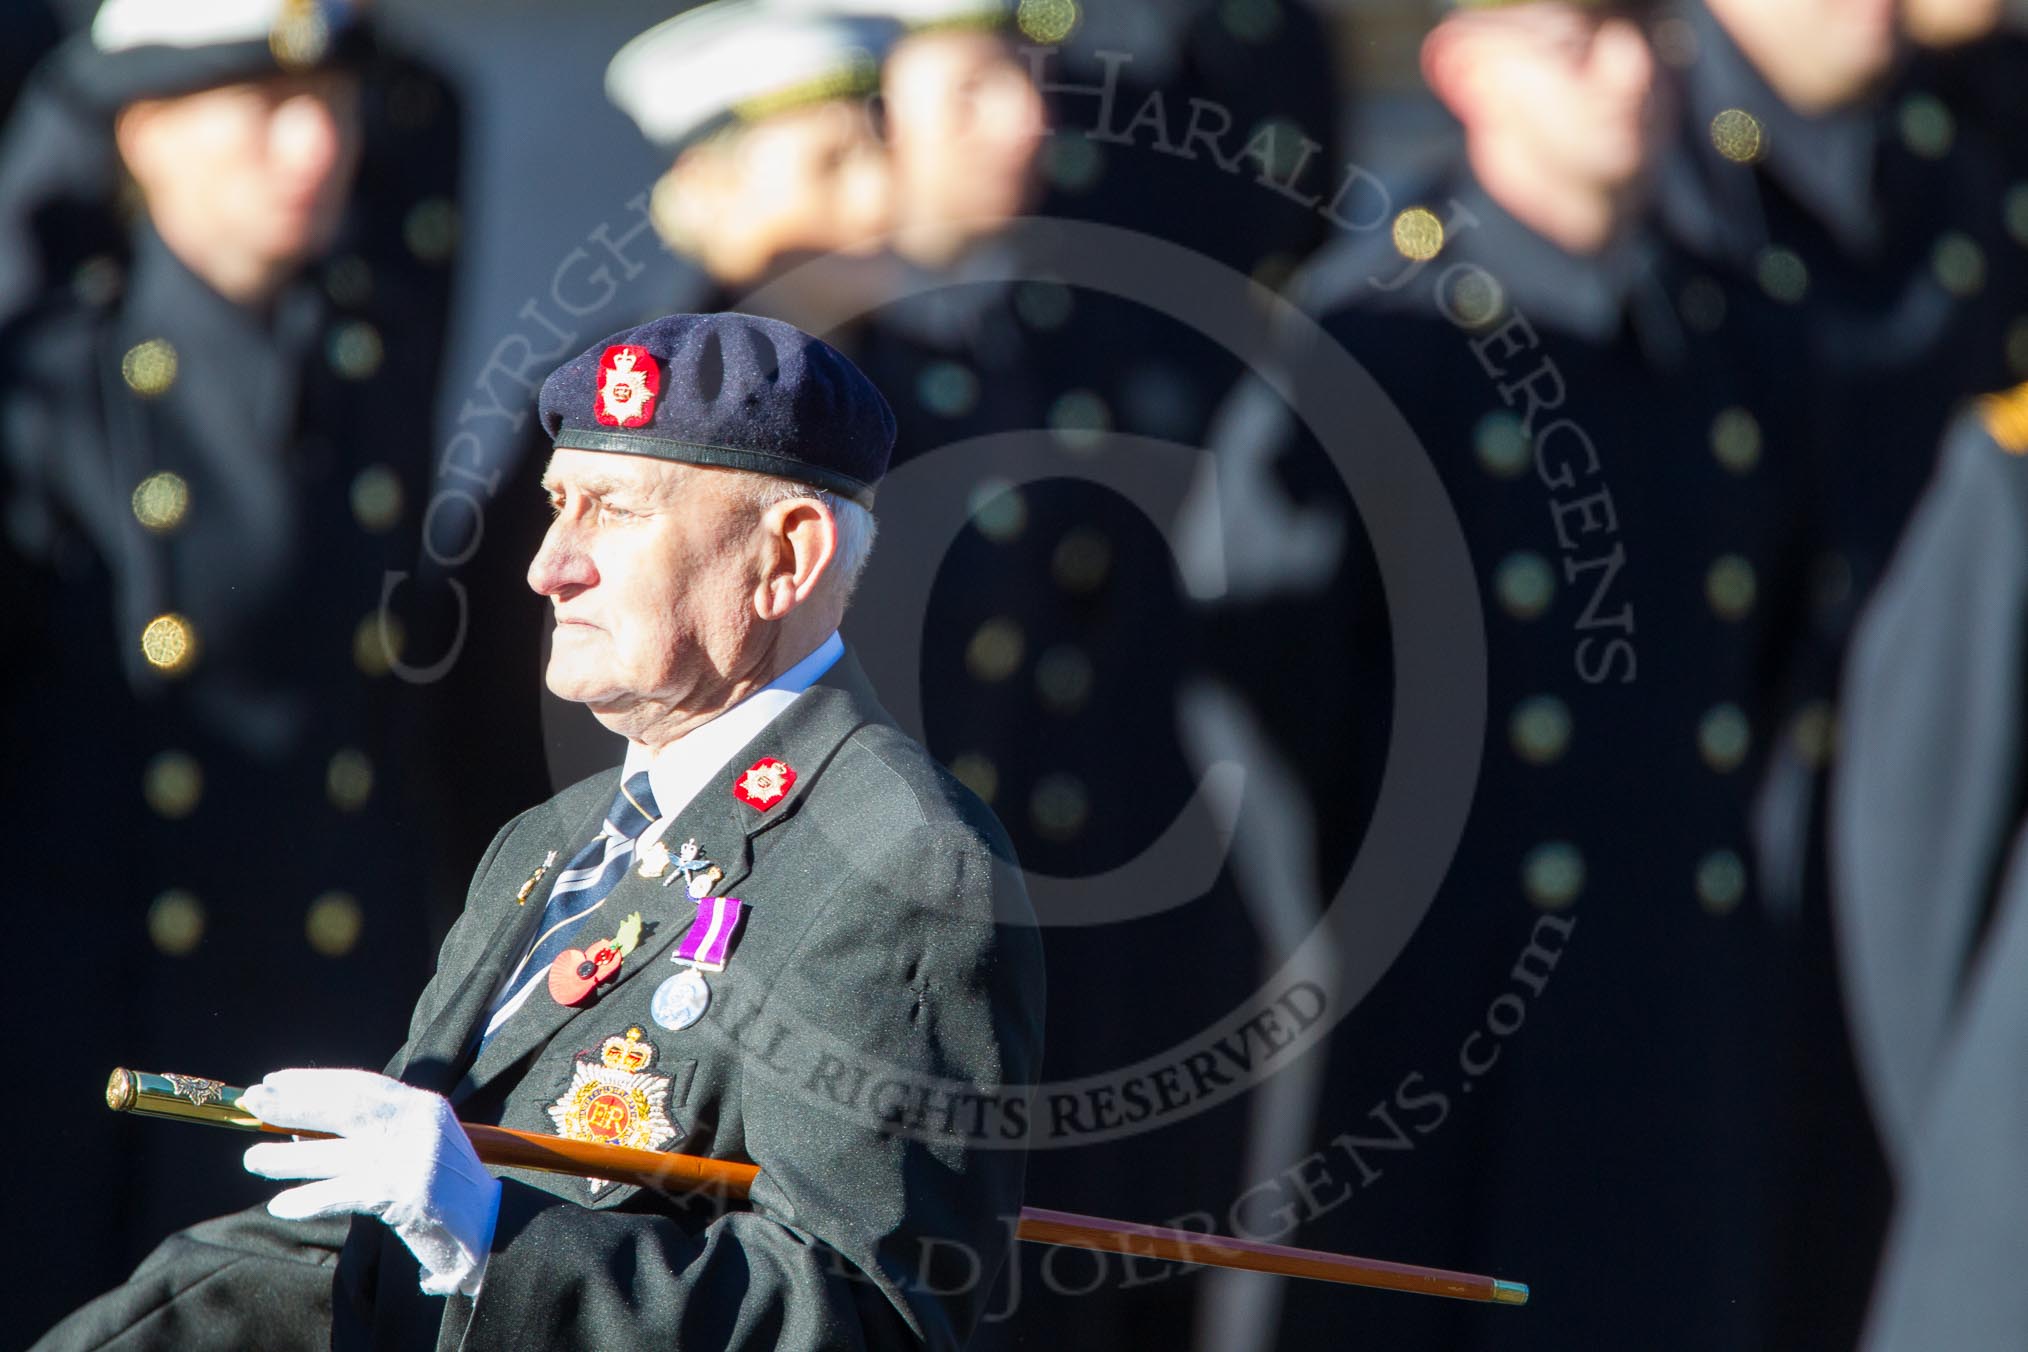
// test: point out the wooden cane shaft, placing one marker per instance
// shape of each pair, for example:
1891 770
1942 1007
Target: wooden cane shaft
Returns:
1187 1246
190 1100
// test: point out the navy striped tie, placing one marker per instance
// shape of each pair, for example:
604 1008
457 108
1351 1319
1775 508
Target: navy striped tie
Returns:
581 889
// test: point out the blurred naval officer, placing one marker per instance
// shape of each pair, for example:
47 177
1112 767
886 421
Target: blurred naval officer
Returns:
215 437
767 120
1866 192
1573 1030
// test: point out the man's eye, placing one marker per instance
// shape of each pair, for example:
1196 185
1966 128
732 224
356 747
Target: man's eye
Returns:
607 510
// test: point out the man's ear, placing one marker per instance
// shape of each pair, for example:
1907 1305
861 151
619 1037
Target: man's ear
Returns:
802 544
1450 61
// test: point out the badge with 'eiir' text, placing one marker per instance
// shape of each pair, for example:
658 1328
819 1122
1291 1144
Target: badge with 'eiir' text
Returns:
615 1101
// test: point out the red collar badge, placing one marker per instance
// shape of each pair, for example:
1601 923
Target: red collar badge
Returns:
765 783
629 380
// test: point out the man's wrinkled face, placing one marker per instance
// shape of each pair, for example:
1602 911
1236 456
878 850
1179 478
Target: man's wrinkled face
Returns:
259 170
650 568
965 123
1579 90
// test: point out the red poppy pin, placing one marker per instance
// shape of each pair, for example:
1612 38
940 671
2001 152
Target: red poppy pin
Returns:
629 380
765 783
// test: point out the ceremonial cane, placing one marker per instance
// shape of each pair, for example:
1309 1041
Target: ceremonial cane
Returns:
189 1099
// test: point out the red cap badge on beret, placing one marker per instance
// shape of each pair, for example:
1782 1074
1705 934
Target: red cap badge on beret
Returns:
629 380
765 783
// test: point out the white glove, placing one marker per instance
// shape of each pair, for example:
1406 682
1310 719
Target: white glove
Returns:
401 1156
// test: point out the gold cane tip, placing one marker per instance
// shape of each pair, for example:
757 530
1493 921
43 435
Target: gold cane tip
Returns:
120 1089
1510 1293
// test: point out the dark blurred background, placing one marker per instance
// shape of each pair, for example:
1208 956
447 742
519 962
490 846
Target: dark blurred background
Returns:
1467 435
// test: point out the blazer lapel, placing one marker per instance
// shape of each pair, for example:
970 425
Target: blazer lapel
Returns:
445 1047
805 736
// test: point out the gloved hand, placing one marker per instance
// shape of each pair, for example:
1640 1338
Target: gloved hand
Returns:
401 1156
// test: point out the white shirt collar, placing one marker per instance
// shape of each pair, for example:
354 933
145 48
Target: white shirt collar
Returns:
677 771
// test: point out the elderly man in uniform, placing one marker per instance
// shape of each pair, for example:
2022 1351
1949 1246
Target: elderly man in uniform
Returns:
847 916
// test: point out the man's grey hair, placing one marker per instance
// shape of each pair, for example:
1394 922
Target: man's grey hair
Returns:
856 526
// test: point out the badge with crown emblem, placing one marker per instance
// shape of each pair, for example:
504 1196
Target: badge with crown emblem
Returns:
766 782
614 1100
629 380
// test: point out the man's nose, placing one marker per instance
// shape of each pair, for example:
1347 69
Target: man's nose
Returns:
561 567
307 136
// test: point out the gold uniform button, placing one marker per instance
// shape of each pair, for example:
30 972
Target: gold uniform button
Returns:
1418 234
1254 21
173 784
1724 737
176 922
1080 419
947 389
1814 733
1044 305
1721 881
1525 584
977 772
169 643
161 500
1552 875
1959 263
1501 445
1073 163
1735 439
348 780
1927 127
998 510
97 280
333 923
995 651
1059 807
1783 275
1064 678
1081 561
1046 21
1738 136
377 644
354 350
376 499
1473 298
1539 729
149 368
431 229
1730 587
2016 347
2015 209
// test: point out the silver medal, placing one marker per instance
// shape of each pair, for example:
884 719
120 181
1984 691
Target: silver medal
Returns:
680 1001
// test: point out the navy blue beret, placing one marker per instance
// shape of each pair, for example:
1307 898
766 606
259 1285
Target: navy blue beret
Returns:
728 390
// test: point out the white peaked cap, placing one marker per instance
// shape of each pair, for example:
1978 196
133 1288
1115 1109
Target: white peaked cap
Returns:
735 60
122 25
908 13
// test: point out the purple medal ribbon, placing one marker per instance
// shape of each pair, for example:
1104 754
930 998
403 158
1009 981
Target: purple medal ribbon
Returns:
710 933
